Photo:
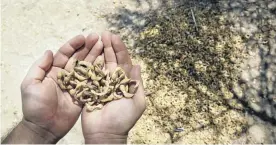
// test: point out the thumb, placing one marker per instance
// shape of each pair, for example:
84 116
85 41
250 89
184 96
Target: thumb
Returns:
38 70
139 97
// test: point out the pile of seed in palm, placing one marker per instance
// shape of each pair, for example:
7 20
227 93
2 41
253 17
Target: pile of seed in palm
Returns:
92 85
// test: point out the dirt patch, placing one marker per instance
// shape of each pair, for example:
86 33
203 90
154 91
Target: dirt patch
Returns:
195 60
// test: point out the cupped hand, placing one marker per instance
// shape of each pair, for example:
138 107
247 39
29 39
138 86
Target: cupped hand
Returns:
112 123
45 106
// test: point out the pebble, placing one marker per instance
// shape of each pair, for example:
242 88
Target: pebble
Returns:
250 120
235 4
257 134
179 129
255 107
272 5
251 1
245 76
268 110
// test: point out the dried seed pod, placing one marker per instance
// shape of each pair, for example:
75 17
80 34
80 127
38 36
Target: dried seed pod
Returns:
80 94
69 87
101 93
89 73
108 99
81 70
103 82
126 88
117 96
67 76
92 108
99 72
101 88
60 75
79 77
100 64
92 68
90 103
121 77
122 88
116 87
85 100
93 76
114 76
72 92
93 86
135 83
81 85
61 85
66 80
127 95
125 81
74 83
96 83
84 64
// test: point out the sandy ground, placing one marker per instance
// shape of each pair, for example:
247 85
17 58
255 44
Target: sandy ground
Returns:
31 27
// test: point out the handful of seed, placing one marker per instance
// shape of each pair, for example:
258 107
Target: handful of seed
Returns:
92 85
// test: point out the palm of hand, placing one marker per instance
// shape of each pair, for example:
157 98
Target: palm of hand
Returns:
119 116
50 107
116 117
44 103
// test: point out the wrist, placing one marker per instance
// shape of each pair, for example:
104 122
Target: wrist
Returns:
106 138
27 132
39 134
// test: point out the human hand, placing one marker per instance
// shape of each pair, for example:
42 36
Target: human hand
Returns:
48 110
112 123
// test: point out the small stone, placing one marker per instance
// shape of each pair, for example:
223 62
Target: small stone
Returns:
252 8
238 91
257 134
234 4
254 73
179 129
268 110
250 120
251 1
245 76
138 51
131 42
255 107
272 5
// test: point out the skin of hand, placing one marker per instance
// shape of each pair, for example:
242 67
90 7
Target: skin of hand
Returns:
48 110
112 123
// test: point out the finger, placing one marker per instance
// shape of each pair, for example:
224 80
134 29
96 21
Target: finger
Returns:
38 70
90 42
120 50
139 97
96 51
109 54
122 56
83 52
67 50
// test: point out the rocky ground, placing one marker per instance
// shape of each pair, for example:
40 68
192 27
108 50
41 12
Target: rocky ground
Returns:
208 66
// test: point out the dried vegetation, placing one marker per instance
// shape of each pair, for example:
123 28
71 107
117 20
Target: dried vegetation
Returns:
94 86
